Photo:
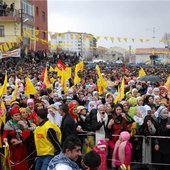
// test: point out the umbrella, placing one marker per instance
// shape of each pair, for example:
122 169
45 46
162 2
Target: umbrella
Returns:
151 78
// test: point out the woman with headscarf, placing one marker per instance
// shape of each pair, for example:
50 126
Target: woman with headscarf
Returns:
92 105
72 107
115 125
149 91
15 133
53 114
162 147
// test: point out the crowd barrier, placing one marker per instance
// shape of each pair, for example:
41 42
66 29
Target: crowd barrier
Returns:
146 154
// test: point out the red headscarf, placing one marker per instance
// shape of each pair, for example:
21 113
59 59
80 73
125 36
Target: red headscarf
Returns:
14 110
71 106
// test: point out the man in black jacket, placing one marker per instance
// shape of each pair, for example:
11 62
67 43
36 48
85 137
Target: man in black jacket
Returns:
68 125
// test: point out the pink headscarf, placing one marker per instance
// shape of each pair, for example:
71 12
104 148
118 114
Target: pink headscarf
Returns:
120 149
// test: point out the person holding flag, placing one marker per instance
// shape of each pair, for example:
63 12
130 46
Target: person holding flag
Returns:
15 133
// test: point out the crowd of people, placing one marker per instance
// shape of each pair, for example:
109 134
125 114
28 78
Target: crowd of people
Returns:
6 10
53 129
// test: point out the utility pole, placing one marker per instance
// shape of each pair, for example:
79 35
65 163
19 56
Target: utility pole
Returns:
21 15
22 31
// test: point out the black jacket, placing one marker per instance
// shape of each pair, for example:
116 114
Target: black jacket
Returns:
68 126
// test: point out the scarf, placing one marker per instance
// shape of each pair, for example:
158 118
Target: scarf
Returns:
62 159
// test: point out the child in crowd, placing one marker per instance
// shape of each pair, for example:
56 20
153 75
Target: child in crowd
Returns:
122 151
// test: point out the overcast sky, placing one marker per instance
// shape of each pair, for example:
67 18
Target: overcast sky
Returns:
130 19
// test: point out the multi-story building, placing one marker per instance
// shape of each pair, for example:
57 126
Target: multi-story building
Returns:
41 23
19 16
80 43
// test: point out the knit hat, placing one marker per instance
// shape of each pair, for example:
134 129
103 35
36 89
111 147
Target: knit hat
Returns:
132 101
125 135
14 110
164 88
79 108
14 102
30 101
68 98
102 144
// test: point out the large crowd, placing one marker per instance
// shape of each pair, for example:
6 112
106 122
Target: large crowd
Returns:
52 129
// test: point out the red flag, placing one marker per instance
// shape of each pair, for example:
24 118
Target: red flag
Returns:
60 65
41 77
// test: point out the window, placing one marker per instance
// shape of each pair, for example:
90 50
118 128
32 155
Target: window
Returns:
44 35
37 11
2 32
28 8
43 16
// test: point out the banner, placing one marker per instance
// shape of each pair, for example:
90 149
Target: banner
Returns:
13 53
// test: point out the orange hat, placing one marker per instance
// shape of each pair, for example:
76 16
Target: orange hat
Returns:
14 110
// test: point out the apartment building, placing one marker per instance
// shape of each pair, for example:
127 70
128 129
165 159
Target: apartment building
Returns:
19 16
75 42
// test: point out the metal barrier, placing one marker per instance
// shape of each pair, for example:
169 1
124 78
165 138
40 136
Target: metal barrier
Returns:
146 150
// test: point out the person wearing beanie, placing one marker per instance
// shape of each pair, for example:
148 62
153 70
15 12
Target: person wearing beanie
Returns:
47 138
32 115
102 148
15 133
122 151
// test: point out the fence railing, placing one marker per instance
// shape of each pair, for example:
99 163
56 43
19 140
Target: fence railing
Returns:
147 151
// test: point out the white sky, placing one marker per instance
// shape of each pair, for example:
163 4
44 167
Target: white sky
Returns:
131 19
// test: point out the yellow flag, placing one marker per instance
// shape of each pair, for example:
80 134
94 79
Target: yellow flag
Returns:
168 83
46 81
29 88
3 112
51 69
1 49
79 66
142 72
9 44
68 75
52 80
76 79
118 96
5 47
3 88
101 83
14 96
63 81
121 92
101 90
101 79
122 89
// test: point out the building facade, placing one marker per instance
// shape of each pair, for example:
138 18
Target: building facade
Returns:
73 42
41 23
17 18
142 55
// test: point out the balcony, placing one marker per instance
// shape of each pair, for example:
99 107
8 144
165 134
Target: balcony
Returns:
9 16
